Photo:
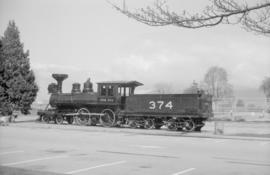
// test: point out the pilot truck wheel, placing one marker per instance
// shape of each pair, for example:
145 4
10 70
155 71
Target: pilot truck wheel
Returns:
148 124
59 119
45 118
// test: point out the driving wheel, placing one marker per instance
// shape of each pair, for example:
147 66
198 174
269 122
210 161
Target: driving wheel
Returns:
83 116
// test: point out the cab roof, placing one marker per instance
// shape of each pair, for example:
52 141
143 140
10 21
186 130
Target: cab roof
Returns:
122 83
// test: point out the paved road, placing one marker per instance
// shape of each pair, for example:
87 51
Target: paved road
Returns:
73 151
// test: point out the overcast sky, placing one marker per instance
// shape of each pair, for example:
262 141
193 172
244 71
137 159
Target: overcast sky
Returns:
88 38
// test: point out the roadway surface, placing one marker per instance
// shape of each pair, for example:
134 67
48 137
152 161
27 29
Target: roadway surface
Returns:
34 148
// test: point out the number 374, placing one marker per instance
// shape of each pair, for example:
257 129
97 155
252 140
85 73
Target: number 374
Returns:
160 105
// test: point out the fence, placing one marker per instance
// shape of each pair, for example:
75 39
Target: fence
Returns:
242 109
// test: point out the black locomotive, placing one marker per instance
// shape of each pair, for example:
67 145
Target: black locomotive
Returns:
115 104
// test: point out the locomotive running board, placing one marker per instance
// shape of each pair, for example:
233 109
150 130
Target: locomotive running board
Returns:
76 114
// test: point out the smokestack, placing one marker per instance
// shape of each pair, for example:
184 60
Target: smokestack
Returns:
59 78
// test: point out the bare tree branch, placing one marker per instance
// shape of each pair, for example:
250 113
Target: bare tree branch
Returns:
254 18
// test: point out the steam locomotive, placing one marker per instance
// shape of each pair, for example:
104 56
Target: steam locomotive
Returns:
115 104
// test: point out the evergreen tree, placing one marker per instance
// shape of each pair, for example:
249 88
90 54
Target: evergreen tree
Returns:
17 81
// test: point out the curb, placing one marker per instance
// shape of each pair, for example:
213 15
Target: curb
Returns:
137 131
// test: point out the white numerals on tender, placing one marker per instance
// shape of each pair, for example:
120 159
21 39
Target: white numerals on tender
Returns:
169 105
152 105
160 105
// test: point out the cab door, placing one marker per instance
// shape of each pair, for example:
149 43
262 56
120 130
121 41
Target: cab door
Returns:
124 92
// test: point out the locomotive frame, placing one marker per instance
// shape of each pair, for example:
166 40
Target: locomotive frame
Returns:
116 104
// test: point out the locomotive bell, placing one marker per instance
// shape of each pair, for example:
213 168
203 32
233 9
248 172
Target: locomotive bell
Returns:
59 78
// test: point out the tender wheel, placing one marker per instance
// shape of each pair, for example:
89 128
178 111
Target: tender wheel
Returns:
59 119
70 120
45 119
83 116
148 124
132 124
189 125
108 119
172 125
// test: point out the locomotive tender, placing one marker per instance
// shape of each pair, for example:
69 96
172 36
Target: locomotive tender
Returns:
115 104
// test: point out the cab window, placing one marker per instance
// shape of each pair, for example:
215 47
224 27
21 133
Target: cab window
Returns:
119 90
124 91
103 90
110 90
127 91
